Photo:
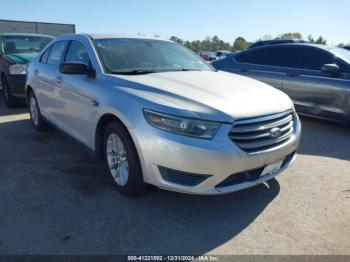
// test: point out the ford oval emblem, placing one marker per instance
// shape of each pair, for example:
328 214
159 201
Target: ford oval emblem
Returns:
275 132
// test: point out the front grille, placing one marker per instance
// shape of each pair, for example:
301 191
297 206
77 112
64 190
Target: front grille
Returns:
263 133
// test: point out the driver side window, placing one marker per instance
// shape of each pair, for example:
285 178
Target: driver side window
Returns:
308 58
77 53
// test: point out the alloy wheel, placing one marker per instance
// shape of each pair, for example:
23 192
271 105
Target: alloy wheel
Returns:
117 159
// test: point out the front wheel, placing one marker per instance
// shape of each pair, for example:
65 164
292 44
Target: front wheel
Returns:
122 160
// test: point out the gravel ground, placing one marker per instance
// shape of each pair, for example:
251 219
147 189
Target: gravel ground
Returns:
54 199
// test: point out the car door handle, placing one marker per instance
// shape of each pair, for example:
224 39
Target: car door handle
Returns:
59 79
243 70
95 103
36 72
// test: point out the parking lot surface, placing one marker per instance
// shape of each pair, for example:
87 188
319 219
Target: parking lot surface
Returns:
55 199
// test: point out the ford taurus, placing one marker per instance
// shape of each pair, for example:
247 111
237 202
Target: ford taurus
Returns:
158 114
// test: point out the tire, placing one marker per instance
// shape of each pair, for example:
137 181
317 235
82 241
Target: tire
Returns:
117 144
10 100
35 114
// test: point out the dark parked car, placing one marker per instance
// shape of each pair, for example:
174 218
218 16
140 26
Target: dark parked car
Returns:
347 47
316 77
276 42
16 51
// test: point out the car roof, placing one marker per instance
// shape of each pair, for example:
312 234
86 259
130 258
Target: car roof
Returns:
108 36
280 40
275 42
25 34
324 47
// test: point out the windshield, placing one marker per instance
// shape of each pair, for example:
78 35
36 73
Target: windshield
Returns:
24 44
123 55
342 54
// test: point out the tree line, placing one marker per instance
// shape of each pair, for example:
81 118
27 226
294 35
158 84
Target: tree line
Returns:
240 43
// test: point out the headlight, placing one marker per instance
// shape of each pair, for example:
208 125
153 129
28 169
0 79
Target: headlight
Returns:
181 125
18 69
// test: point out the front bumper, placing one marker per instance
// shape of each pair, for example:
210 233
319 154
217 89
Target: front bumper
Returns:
215 160
17 85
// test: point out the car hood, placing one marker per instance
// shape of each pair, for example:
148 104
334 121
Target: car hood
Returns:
21 58
209 95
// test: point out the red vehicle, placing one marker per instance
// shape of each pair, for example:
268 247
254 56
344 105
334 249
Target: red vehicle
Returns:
207 55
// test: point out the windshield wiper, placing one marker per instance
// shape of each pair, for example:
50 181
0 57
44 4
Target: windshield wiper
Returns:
185 69
144 72
134 72
190 69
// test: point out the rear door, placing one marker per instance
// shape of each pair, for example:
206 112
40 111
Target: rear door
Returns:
313 91
263 64
45 72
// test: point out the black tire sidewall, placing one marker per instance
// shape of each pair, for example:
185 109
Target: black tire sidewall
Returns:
10 100
41 125
135 183
6 94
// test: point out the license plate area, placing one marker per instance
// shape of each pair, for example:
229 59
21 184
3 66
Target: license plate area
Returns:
272 168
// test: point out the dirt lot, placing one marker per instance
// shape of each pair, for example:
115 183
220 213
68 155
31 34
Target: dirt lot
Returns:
54 199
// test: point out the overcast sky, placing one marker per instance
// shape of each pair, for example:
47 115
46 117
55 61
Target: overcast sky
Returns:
192 19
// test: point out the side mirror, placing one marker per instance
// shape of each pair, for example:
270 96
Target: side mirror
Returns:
330 68
76 69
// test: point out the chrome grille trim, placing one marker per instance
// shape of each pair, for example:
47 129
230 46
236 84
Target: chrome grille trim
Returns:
254 135
253 145
262 126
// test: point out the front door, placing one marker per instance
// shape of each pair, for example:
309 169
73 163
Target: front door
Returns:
75 104
314 92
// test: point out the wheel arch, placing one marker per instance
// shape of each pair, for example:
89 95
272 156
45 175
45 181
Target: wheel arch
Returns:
28 90
101 126
2 74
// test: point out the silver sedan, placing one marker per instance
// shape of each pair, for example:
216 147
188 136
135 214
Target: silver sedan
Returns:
158 114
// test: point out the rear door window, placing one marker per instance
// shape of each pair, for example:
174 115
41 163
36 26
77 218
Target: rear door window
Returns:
56 54
44 56
270 56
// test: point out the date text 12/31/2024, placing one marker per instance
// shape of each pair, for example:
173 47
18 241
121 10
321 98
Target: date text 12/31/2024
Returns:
172 258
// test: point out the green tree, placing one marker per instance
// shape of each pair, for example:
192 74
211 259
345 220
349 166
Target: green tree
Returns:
320 40
267 37
177 40
188 44
240 44
291 36
208 44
